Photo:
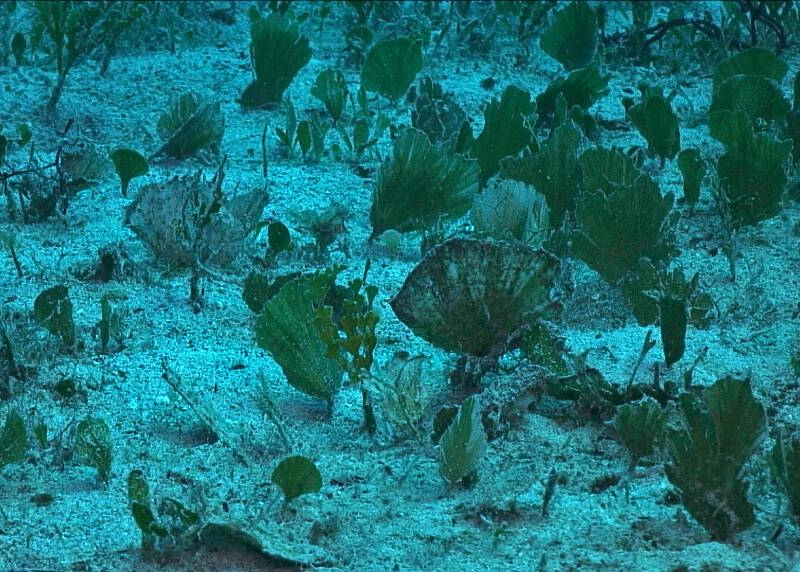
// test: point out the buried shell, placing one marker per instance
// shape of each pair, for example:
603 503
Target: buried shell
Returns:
474 296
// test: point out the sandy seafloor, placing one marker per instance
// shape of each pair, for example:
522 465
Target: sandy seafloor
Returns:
365 517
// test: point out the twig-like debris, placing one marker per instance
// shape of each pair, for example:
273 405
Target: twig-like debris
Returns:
757 13
755 10
264 163
270 409
553 479
647 345
11 174
14 258
205 416
657 31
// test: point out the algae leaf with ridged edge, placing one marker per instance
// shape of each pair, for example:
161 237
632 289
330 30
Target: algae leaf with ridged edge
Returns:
511 210
297 475
752 61
582 87
553 171
750 81
188 128
476 297
708 454
439 116
758 96
287 329
572 37
258 288
615 230
421 184
187 219
463 443
657 123
608 169
505 130
83 168
751 174
640 426
792 120
391 66
277 52
181 110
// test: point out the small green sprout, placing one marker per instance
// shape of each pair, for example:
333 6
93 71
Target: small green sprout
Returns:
278 237
110 324
330 88
78 29
693 169
12 440
18 45
93 446
297 475
640 426
129 164
53 309
288 136
462 445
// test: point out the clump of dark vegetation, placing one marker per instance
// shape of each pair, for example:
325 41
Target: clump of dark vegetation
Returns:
77 29
718 436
